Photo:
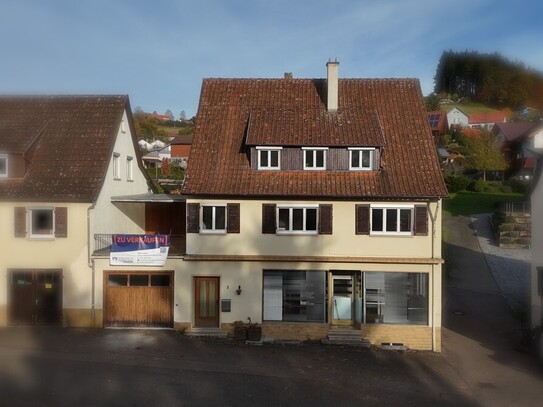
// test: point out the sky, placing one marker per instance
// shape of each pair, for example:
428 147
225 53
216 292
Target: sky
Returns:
158 51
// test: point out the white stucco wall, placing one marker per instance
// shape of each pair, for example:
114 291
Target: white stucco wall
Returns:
69 254
343 241
121 218
456 117
537 251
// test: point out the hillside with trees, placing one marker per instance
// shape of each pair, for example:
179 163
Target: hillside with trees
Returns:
488 78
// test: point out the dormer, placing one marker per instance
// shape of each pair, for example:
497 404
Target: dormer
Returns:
12 165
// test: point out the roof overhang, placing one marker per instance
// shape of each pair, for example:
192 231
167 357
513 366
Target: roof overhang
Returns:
149 197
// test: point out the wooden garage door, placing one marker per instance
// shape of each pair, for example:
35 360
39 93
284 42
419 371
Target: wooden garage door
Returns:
138 299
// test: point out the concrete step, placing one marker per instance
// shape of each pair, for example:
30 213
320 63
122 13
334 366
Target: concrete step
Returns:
345 336
215 332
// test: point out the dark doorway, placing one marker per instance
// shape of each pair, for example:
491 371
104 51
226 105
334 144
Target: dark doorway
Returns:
206 302
35 297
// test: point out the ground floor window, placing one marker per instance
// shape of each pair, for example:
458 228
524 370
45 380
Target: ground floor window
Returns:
396 298
294 296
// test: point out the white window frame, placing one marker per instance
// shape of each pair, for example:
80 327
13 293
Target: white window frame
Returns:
4 157
129 168
314 150
269 150
359 151
116 164
213 229
123 126
31 211
398 208
304 231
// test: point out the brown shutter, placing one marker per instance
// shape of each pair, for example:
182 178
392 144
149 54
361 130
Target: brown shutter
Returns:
232 211
376 160
268 219
61 222
325 219
362 221
193 218
20 222
421 220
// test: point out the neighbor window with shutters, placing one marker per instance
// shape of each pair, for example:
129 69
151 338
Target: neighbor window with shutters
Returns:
269 158
41 222
391 220
384 219
297 219
360 159
213 218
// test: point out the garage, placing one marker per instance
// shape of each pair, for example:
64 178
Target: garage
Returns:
138 299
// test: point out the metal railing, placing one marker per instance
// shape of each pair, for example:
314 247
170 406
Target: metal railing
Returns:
515 207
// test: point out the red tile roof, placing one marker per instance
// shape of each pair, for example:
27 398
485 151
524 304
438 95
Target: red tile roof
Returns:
67 141
391 113
477 118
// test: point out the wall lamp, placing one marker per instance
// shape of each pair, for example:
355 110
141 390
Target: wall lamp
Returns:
238 291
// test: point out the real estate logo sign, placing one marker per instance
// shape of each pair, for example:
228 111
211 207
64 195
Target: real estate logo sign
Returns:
139 250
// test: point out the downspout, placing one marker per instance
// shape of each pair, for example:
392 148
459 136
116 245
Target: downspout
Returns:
90 263
433 218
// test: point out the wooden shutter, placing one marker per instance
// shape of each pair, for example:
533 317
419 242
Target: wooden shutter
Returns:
61 221
376 164
20 222
362 221
193 218
232 211
268 219
325 219
421 220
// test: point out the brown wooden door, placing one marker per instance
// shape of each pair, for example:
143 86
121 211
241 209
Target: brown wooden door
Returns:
206 302
35 297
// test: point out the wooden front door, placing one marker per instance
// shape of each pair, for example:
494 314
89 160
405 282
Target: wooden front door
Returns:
35 297
206 302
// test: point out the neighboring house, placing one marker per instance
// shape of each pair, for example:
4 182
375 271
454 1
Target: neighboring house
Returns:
514 139
457 118
314 206
154 145
180 147
537 231
62 158
438 125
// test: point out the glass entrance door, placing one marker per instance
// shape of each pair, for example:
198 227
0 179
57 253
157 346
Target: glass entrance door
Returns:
342 299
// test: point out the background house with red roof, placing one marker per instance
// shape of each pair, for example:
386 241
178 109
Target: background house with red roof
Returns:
314 208
515 141
457 117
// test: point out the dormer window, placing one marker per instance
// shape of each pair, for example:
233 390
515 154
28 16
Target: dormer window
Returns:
361 159
314 158
3 166
269 158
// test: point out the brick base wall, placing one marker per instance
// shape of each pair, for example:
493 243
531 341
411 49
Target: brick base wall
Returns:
181 326
82 318
413 337
3 315
295 331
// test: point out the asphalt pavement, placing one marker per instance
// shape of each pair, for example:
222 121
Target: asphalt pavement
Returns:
484 289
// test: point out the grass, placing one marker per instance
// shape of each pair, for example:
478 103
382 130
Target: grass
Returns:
469 203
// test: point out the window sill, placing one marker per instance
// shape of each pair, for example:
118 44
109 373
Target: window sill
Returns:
391 234
116 179
296 233
213 232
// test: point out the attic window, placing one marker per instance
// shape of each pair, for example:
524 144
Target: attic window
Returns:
314 158
360 159
269 158
3 166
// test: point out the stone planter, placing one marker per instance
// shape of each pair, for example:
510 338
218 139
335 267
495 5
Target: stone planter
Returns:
240 333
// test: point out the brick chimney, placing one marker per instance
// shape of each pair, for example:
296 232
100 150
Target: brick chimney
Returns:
332 88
